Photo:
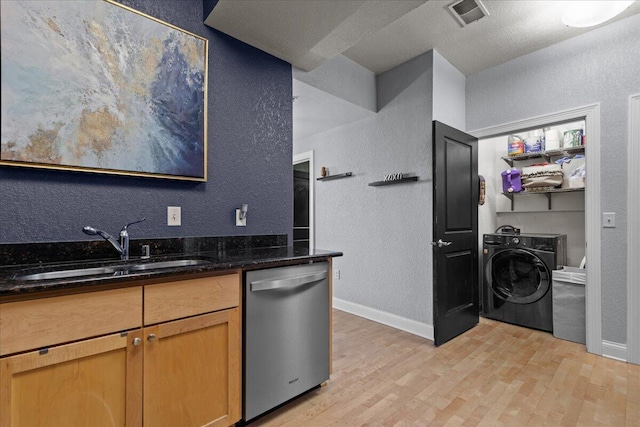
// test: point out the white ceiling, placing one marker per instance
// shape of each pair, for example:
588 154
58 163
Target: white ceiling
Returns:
381 34
305 33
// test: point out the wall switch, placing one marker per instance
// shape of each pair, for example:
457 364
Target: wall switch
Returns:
608 219
174 216
336 274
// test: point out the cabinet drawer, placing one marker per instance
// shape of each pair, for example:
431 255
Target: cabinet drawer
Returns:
38 323
175 300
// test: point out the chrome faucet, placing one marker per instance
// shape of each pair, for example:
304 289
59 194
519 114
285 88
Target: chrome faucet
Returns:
123 246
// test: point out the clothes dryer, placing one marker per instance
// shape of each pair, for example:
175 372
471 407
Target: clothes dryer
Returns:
517 284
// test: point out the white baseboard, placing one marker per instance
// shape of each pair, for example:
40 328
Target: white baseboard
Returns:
408 325
613 350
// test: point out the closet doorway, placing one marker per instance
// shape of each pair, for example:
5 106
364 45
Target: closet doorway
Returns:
551 205
303 206
591 116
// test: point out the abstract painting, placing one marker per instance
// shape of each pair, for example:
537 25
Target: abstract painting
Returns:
96 86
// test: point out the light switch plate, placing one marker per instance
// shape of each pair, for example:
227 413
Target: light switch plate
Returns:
608 219
174 216
240 222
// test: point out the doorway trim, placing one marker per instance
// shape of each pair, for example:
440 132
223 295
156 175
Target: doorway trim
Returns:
301 158
591 115
633 232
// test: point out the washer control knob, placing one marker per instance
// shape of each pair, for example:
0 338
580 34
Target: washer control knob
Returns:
515 240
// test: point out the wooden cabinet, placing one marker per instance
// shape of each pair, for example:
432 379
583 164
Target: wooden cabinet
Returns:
85 371
192 371
43 322
66 362
192 366
94 382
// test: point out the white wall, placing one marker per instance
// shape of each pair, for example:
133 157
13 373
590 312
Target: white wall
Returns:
487 153
343 78
448 93
384 232
600 66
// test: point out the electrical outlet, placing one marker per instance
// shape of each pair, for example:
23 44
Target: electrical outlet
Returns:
336 274
174 216
609 220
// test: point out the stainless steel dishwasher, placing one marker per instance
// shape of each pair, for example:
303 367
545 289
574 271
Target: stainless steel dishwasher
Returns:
286 334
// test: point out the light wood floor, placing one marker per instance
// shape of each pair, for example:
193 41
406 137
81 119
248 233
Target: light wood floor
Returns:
494 375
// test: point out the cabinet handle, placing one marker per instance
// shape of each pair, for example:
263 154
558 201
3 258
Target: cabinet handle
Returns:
277 283
137 341
151 337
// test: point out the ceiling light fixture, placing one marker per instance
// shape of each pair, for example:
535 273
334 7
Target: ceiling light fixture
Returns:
589 13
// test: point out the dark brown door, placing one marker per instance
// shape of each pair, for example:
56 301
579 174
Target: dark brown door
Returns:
455 232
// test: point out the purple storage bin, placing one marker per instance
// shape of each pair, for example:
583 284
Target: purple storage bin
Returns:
511 182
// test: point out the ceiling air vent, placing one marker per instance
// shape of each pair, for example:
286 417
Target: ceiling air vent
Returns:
468 11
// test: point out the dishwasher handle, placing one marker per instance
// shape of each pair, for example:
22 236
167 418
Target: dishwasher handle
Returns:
287 282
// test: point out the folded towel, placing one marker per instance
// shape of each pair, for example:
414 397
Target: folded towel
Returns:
543 168
543 175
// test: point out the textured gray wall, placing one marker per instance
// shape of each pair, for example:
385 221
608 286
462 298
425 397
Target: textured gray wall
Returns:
599 66
343 78
384 232
449 103
249 159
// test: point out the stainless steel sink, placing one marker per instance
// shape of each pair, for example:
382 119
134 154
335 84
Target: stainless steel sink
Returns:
115 269
67 274
167 264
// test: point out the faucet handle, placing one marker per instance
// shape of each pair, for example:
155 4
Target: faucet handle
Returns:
131 223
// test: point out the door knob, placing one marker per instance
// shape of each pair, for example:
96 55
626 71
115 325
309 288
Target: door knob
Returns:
440 243
151 337
137 341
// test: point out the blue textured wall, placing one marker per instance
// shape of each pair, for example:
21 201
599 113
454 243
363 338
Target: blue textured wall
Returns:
249 159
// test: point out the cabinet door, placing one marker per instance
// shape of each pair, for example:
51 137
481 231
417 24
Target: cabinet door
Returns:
95 382
192 371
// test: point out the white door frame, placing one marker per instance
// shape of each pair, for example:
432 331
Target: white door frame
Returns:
591 115
301 158
633 232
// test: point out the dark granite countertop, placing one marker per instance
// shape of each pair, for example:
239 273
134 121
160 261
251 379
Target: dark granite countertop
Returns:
222 257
